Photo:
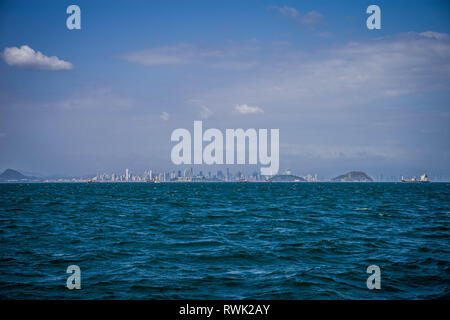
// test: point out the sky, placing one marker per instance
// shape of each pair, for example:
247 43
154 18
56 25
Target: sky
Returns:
108 96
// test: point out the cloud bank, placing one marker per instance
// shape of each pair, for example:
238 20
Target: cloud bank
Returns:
342 76
25 57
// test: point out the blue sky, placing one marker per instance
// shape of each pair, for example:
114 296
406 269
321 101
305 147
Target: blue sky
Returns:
344 97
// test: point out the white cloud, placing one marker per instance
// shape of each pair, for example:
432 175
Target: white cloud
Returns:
99 98
246 109
25 57
179 54
310 18
288 11
165 116
235 57
205 113
436 35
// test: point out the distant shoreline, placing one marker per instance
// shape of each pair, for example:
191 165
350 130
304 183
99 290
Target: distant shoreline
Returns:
193 182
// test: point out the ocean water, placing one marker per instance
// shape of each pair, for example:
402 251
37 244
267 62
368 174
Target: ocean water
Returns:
225 240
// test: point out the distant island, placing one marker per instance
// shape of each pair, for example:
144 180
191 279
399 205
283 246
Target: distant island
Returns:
286 178
353 176
12 175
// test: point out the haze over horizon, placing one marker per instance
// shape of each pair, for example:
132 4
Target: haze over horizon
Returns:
107 97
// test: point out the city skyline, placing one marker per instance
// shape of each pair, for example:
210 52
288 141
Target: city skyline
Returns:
188 174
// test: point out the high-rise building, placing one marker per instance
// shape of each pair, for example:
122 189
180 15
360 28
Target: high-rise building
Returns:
127 175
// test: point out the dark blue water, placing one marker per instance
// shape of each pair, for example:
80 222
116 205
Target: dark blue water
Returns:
225 240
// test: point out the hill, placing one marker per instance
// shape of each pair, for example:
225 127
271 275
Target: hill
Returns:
286 178
10 174
353 176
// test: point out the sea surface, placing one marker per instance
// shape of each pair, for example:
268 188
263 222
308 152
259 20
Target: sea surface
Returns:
225 240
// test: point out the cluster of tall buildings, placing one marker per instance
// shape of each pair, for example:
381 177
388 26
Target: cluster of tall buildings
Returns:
188 175
127 176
